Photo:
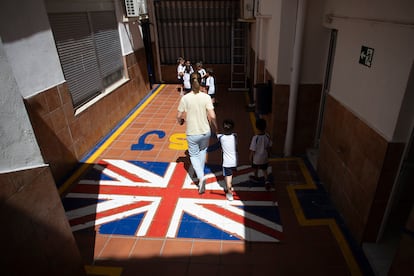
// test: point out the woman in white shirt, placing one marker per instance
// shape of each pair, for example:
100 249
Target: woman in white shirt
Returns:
198 111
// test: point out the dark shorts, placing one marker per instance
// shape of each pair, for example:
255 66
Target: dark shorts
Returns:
228 171
212 95
261 166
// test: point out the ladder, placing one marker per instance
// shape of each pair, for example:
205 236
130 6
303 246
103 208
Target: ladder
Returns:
239 56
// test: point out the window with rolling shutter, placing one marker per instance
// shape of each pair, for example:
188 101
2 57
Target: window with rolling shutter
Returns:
90 53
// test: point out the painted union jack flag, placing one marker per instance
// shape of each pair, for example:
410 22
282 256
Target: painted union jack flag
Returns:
158 199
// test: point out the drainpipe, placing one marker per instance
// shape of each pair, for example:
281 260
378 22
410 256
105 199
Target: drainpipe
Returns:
294 78
256 56
141 6
146 36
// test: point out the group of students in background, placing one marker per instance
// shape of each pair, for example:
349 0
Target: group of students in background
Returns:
197 110
208 81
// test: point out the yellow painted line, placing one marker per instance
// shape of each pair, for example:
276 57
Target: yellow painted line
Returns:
103 270
105 145
331 223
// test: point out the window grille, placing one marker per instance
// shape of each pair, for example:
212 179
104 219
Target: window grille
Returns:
196 30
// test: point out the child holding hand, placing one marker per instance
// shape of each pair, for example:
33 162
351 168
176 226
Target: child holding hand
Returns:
260 147
228 141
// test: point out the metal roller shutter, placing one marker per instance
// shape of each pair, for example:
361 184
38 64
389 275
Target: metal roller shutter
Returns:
89 49
199 30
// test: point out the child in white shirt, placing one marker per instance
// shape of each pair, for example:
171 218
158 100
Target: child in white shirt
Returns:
260 146
211 84
228 141
188 70
202 72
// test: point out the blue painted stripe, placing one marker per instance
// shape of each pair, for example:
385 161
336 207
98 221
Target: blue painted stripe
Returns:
194 228
126 226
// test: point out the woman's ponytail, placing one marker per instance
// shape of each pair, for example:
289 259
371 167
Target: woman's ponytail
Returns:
195 80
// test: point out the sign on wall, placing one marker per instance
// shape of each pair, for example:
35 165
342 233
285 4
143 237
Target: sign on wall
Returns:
365 57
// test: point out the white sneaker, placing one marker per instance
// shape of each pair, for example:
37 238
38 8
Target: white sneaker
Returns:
229 196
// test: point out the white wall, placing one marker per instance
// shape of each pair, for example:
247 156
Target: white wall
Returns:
265 34
18 147
129 31
275 40
29 45
315 44
399 10
286 40
375 94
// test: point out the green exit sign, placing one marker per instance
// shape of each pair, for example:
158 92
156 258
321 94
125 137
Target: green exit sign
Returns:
365 57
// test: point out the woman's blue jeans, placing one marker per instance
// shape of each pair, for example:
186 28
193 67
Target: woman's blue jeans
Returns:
197 149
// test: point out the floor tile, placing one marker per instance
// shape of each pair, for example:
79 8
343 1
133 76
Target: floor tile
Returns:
117 248
177 249
147 248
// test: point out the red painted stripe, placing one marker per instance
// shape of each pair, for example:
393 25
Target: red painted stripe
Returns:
170 190
118 170
164 212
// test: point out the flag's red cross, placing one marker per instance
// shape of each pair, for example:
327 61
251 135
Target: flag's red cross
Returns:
169 194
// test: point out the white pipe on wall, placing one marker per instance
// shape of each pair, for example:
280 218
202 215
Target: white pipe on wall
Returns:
256 56
294 78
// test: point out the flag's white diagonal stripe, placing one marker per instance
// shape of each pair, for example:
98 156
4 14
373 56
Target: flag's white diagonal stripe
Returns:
256 218
175 220
152 178
96 208
189 206
217 220
117 176
146 222
112 196
119 182
254 235
115 202
110 173
144 225
109 218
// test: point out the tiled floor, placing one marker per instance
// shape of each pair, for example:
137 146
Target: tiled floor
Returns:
108 206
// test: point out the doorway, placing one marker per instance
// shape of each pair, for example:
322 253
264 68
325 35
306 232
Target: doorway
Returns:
313 153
